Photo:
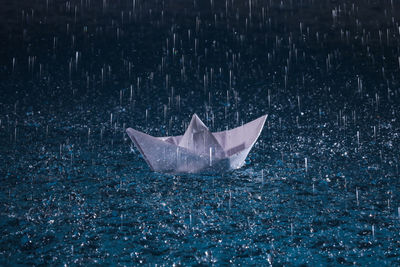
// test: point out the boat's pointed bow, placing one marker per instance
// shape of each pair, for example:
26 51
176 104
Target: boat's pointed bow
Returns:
256 126
133 134
262 121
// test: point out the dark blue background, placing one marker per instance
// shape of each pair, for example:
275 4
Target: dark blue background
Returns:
75 74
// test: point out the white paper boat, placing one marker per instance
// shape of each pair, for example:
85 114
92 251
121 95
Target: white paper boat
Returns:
198 149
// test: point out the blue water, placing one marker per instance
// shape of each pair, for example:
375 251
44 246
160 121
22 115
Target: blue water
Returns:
320 187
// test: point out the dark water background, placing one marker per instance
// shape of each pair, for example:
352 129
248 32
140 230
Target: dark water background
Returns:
321 186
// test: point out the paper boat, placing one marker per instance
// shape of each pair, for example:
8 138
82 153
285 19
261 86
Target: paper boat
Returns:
198 149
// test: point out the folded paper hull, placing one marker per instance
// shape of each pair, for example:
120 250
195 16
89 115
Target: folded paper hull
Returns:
198 150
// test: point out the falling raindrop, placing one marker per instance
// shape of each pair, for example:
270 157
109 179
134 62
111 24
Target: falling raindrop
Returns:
358 203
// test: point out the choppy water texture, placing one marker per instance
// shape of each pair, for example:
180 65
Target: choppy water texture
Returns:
321 186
